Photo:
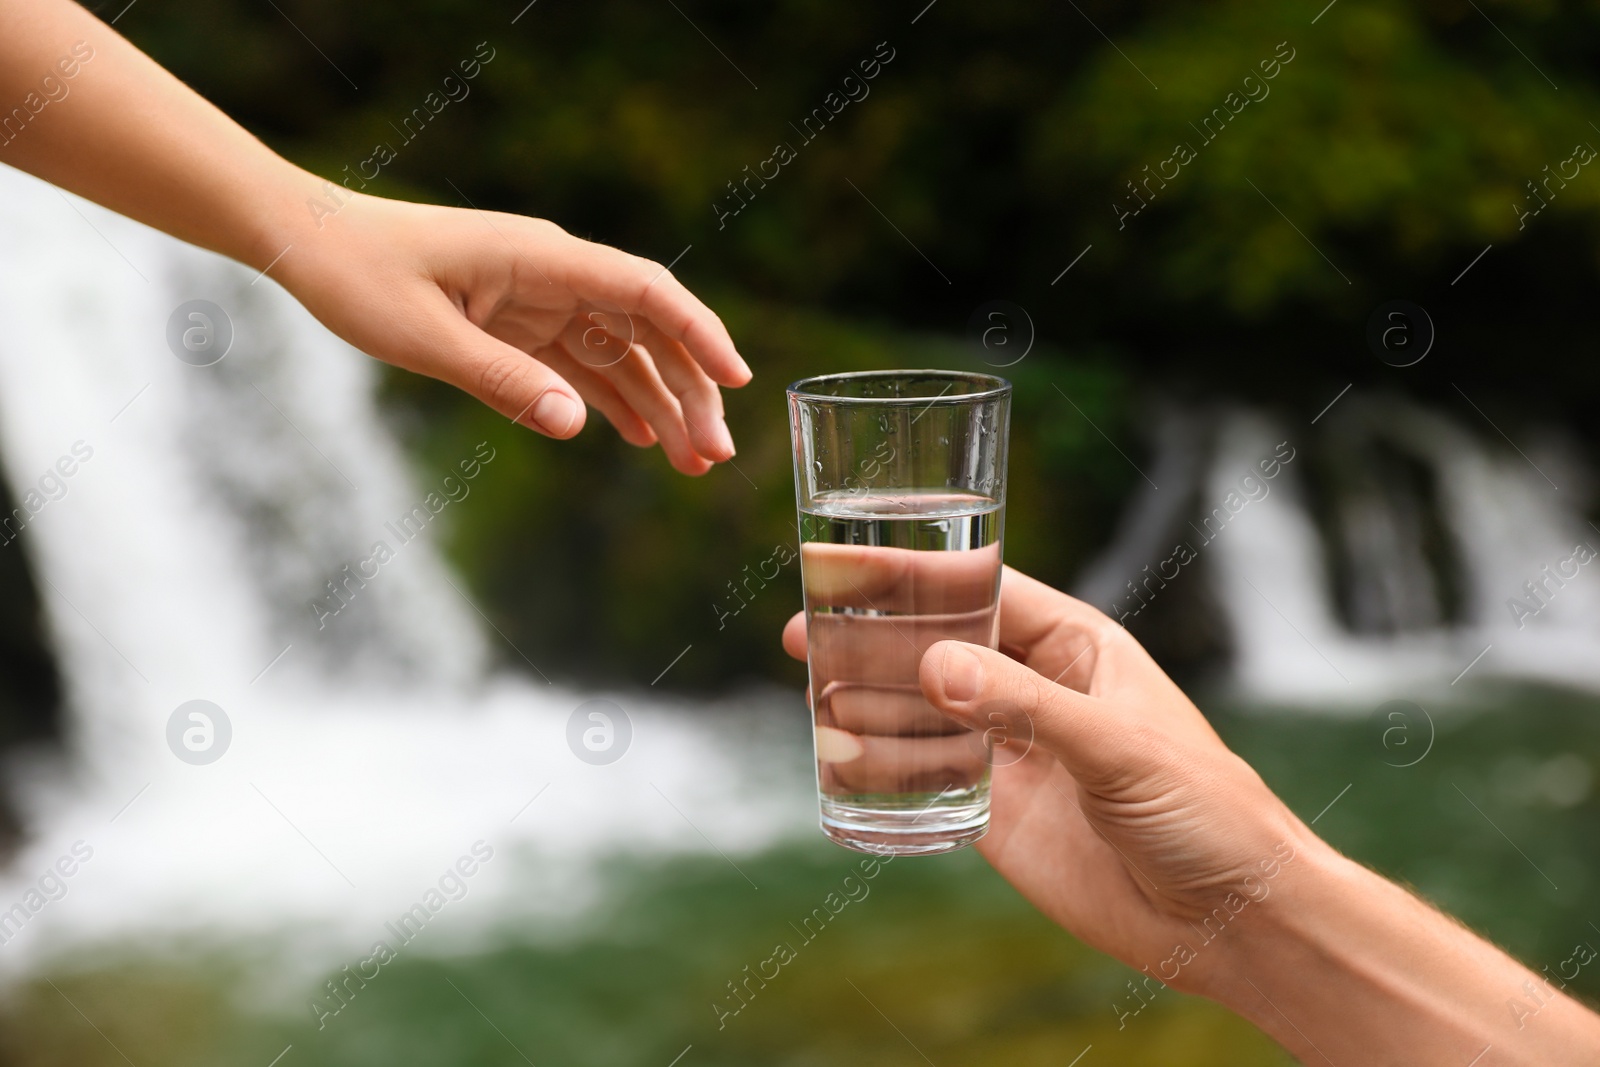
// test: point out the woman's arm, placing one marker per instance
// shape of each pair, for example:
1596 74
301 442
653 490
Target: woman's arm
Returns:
119 130
532 321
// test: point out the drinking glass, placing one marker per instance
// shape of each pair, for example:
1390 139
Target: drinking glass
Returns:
900 484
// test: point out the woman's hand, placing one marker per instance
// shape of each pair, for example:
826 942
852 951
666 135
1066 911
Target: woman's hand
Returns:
525 317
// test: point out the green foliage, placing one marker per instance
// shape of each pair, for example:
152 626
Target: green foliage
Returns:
986 156
996 139
1375 136
963 966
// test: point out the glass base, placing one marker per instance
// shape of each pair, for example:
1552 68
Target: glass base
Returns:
901 831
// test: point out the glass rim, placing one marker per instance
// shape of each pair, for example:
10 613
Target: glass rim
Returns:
986 387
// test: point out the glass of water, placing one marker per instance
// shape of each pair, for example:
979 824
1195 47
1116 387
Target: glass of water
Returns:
900 482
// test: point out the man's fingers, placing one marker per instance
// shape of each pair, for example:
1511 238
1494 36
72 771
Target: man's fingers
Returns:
1096 741
900 579
794 636
864 763
502 376
1031 610
885 649
884 710
1059 636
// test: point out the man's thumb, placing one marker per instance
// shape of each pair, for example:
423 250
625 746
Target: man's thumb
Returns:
985 689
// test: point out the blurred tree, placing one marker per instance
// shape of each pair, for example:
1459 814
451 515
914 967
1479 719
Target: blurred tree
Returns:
992 149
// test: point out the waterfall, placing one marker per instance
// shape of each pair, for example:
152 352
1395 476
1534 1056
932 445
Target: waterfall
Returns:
207 509
1145 529
1430 573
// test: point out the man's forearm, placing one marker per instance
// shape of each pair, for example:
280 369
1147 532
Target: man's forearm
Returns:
1341 966
124 133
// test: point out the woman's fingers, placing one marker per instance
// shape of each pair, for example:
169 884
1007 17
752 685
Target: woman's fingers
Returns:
648 291
600 394
634 375
699 400
636 326
601 338
504 377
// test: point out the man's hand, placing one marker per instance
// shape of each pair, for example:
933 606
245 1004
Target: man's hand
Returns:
1132 825
1128 818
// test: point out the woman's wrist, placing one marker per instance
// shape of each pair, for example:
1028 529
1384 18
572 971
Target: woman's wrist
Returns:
292 213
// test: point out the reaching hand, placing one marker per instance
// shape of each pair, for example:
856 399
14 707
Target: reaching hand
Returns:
515 311
525 317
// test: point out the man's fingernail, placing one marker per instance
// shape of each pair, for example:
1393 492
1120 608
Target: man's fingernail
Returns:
556 413
837 746
961 672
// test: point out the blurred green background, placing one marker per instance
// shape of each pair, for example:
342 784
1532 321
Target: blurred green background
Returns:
961 969
999 141
994 149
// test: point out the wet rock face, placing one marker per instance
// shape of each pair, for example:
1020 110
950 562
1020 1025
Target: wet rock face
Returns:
30 687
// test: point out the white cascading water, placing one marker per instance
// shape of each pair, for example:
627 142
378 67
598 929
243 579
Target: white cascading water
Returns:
1509 523
367 756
